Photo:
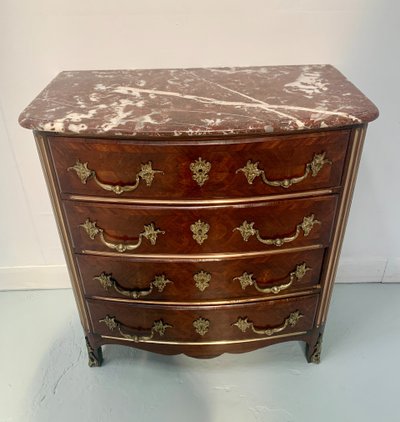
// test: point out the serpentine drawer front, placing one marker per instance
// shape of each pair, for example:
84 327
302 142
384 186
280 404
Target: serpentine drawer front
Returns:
253 167
254 321
133 229
202 281
201 211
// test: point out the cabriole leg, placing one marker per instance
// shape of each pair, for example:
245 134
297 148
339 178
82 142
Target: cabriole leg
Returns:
95 355
314 349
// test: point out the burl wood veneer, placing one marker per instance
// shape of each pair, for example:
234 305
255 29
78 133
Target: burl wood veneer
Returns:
201 211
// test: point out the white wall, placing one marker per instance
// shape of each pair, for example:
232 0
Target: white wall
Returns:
40 38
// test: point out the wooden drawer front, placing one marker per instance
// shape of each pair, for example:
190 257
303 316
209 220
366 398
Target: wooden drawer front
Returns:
205 323
198 281
184 176
179 230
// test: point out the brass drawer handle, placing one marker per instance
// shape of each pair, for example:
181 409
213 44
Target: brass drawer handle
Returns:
150 233
247 230
84 173
244 324
158 328
107 282
251 171
246 280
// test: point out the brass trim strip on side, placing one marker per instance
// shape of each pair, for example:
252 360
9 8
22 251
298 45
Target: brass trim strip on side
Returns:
201 257
314 290
210 343
342 216
231 201
62 230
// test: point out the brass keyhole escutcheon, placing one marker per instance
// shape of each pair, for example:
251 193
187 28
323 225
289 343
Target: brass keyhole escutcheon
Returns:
200 169
200 230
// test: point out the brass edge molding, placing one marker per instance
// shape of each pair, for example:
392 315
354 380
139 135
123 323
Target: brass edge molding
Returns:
344 208
210 343
66 244
231 201
203 257
311 291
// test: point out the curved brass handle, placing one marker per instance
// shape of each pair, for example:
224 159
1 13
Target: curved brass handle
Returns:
150 233
106 280
246 280
251 171
247 230
243 324
158 328
84 173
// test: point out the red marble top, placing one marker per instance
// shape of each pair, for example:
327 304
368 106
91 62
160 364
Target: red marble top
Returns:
197 102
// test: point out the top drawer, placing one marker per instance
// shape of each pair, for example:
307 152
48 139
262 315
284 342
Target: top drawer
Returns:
175 171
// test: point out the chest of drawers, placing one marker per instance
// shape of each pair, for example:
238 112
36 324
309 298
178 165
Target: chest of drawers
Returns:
201 211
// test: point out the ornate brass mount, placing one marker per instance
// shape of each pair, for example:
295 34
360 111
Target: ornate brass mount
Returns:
95 357
316 353
201 326
251 171
246 280
158 328
247 230
200 169
106 280
202 280
200 230
150 233
146 173
244 324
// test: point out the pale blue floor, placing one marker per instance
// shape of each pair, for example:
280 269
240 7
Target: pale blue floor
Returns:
44 374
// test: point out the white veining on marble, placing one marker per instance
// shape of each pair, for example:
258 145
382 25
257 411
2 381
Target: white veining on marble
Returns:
308 83
223 101
129 90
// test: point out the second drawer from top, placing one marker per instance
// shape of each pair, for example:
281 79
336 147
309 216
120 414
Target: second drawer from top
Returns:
252 227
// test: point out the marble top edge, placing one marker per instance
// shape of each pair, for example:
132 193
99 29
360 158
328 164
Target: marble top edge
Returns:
198 101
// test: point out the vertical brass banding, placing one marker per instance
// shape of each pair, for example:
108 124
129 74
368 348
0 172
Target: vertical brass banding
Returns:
342 216
62 230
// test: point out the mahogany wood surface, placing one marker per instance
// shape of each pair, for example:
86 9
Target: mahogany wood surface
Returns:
124 223
137 319
118 162
137 275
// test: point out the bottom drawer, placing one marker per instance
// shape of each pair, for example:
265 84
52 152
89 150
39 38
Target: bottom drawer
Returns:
186 324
